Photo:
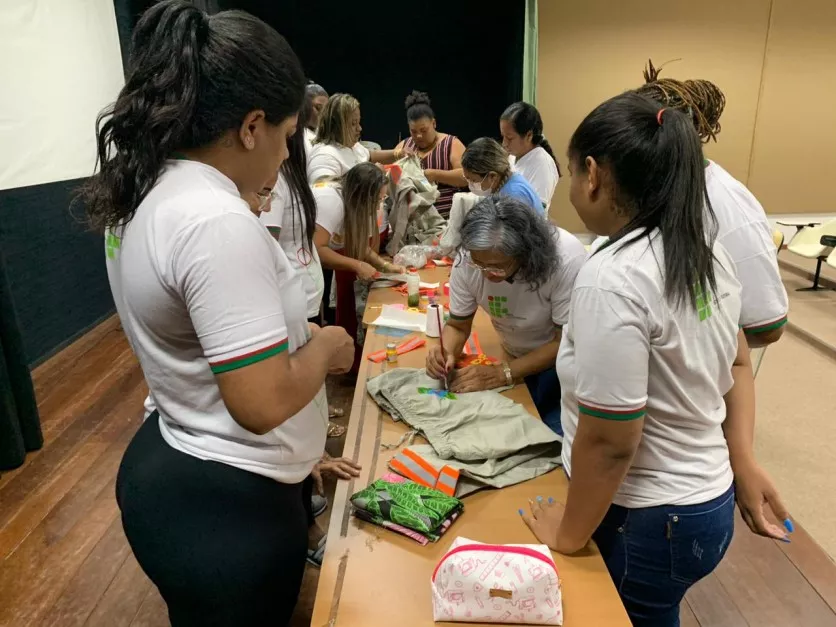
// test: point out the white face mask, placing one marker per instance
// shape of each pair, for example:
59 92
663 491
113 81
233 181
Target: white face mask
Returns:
477 189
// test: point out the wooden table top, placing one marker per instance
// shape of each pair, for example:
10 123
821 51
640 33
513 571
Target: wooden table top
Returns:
372 577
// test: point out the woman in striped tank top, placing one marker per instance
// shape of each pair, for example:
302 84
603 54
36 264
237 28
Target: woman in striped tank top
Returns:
440 153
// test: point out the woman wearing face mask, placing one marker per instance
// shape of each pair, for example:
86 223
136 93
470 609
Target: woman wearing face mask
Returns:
210 487
346 229
522 136
336 147
487 170
520 269
440 153
658 395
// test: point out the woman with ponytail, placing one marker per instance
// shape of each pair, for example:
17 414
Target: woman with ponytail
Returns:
521 128
211 487
657 388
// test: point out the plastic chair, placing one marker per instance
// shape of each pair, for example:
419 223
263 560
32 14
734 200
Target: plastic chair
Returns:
808 243
778 239
831 258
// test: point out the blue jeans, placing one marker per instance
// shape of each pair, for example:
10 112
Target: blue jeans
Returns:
545 392
655 554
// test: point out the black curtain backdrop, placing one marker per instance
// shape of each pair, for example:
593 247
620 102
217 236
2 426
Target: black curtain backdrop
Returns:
20 426
467 54
55 268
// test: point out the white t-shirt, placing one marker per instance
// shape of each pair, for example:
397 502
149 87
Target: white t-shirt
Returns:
525 319
627 353
288 228
334 160
330 211
310 136
745 233
201 288
540 170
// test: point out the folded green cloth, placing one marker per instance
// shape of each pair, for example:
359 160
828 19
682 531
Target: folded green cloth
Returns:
408 504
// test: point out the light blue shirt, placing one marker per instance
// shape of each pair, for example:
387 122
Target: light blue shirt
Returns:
517 187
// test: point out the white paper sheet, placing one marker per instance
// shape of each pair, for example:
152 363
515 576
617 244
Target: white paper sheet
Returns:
401 319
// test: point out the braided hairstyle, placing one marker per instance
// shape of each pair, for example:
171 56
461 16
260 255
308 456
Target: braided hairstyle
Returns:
701 100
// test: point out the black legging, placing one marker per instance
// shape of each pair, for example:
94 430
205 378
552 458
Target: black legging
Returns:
225 547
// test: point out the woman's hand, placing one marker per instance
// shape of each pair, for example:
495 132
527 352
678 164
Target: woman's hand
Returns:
342 359
754 488
366 271
437 367
342 468
544 520
477 379
391 268
431 175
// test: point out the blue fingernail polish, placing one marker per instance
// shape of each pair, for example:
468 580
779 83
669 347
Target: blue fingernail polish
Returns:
539 499
788 525
551 500
785 539
520 511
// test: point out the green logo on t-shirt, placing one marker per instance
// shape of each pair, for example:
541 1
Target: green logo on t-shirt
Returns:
703 299
497 306
112 244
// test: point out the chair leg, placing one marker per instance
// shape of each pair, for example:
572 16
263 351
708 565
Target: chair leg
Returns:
816 287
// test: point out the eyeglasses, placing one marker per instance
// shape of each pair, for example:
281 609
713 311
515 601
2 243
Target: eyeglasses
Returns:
497 272
265 199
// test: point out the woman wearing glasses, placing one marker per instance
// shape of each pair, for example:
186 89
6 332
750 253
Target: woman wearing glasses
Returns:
520 269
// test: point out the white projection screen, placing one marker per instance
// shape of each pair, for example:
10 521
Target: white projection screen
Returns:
60 64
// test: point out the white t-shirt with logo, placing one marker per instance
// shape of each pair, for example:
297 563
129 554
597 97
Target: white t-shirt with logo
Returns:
326 160
745 232
540 170
330 211
627 353
525 319
201 288
309 137
287 226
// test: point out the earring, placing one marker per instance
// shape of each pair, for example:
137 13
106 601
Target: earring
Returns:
250 143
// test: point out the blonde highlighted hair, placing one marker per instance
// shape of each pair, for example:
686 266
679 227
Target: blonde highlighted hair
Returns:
360 191
335 120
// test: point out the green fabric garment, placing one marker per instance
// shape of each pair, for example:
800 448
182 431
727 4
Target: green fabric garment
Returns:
408 504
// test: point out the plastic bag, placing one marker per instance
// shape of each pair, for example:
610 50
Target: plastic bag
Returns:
417 255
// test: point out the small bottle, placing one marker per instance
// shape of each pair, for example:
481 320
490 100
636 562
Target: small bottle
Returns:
392 353
423 302
413 288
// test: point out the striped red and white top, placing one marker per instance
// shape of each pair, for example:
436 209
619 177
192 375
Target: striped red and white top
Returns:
439 159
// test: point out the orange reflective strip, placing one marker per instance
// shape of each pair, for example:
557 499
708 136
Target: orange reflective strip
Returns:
401 469
418 460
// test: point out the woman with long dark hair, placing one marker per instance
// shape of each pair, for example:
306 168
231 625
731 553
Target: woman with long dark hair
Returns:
522 136
210 488
658 395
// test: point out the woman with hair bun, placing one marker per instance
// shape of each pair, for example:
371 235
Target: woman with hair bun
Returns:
440 153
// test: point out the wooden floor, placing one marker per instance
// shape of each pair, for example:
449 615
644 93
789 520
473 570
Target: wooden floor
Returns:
64 560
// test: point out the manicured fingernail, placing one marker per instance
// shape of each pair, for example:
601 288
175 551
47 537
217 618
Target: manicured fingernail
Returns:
551 500
539 499
788 525
520 511
785 539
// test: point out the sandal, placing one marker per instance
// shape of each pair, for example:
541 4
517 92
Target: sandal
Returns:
335 412
315 556
335 430
318 505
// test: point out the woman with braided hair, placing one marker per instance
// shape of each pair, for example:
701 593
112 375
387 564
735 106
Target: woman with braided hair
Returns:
522 136
743 227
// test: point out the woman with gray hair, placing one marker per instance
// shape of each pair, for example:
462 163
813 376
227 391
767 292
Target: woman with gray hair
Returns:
315 100
520 269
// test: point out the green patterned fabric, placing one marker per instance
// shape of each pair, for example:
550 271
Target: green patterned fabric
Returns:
408 504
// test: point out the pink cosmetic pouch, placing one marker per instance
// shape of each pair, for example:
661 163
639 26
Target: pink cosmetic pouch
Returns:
504 584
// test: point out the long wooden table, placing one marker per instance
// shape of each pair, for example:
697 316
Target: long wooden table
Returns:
372 577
